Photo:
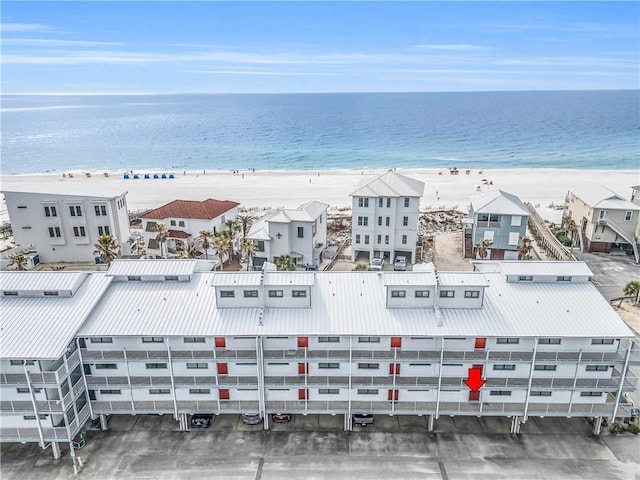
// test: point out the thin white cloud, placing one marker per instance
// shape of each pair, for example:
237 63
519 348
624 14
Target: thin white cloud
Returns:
50 42
23 27
256 72
452 47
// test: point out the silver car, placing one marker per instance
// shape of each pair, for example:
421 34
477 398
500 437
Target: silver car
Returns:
377 264
400 264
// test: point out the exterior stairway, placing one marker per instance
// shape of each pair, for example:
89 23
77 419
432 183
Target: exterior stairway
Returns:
626 235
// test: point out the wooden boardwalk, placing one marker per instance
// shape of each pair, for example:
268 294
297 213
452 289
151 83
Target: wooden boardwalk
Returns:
545 239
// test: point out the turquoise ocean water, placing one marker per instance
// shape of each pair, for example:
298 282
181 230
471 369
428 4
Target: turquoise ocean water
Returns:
581 129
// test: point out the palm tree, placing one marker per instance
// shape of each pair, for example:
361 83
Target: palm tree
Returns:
245 222
632 289
205 236
233 227
524 249
161 237
19 261
249 247
285 262
190 250
107 247
362 267
222 244
571 227
483 248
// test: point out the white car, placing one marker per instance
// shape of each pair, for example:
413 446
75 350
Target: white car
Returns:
377 264
400 264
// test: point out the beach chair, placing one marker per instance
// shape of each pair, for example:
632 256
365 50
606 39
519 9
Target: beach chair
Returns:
87 174
155 175
126 176
146 176
163 176
136 176
171 175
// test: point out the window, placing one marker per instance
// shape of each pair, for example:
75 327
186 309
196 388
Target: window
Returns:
563 278
512 341
152 339
24 206
380 200
525 278
42 416
500 393
170 278
422 293
27 227
155 366
379 239
548 368
227 294
300 232
540 393
404 239
405 221
627 216
396 342
102 340
16 362
369 366
134 278
101 210
54 232
220 342
110 392
366 239
504 367
50 294
379 221
276 293
590 394
10 293
597 368
173 223
367 391
194 340
328 391
50 212
447 294
406 202
472 294
26 390
299 294
514 238
159 391
181 223
251 294
363 202
104 230
328 365
387 221
79 232
602 341
328 339
388 203
357 238
197 366
368 339
386 239
549 341
398 293
363 221
75 211
199 391
480 342
260 247
106 366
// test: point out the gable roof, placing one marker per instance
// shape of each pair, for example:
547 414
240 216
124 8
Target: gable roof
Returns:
498 201
307 212
389 184
206 210
598 196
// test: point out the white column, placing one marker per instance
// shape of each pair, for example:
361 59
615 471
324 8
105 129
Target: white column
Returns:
439 379
622 375
55 449
531 369
173 384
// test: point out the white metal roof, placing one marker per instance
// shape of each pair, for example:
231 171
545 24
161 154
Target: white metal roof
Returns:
389 184
473 279
66 188
40 281
149 267
498 201
598 196
42 327
289 278
552 268
237 279
416 278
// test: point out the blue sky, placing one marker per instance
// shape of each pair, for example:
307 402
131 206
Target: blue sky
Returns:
175 47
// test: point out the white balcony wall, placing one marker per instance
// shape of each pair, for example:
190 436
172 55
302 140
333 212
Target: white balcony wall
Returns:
243 369
419 343
578 398
280 343
419 369
524 345
563 370
16 420
240 343
143 394
280 369
342 370
517 396
557 396
281 394
180 368
183 394
521 370
10 393
243 394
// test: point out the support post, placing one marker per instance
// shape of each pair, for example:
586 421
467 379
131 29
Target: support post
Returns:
515 424
103 422
55 449
432 423
597 425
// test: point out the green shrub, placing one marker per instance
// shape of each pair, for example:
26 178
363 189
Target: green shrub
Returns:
562 238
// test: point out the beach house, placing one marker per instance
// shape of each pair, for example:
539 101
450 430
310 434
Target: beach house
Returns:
183 221
64 227
499 217
384 222
300 233
604 220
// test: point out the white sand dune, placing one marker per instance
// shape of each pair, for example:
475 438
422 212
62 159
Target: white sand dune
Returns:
292 188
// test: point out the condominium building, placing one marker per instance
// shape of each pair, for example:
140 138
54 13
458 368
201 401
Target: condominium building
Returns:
499 217
299 232
64 227
384 222
184 220
605 221
161 337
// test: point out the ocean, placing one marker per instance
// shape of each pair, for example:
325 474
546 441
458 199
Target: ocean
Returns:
163 133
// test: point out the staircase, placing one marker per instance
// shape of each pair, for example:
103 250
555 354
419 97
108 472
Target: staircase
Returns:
626 235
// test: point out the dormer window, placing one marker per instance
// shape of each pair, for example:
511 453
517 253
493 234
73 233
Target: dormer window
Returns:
472 294
10 293
299 293
563 278
171 278
525 278
447 294
134 278
398 293
251 294
50 293
422 293
227 294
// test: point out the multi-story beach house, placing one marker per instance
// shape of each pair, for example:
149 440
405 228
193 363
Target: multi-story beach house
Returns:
384 222
501 218
64 227
300 233
515 339
184 220
635 199
605 221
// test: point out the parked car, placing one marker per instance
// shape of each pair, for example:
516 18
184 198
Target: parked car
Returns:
362 419
201 420
311 268
252 418
377 264
281 417
400 263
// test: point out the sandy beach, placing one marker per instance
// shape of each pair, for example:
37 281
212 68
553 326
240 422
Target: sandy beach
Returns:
264 189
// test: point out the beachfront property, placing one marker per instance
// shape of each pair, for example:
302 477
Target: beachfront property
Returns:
605 221
64 227
635 199
384 222
299 232
162 337
184 220
499 217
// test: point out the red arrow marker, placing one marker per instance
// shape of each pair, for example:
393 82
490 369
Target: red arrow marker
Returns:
475 382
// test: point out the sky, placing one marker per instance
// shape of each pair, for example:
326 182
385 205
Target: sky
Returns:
299 47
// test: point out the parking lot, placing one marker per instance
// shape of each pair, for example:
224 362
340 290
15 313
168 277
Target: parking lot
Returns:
315 447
